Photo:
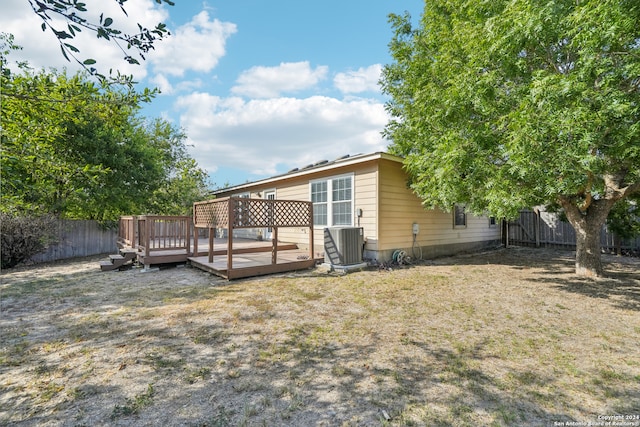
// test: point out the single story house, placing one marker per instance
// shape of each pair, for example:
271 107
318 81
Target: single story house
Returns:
370 191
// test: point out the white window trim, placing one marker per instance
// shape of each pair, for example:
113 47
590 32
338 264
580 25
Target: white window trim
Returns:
268 231
329 180
269 190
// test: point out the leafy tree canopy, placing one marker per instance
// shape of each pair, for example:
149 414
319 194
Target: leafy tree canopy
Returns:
78 149
504 105
624 218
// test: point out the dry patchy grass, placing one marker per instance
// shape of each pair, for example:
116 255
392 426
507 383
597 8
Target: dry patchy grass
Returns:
503 338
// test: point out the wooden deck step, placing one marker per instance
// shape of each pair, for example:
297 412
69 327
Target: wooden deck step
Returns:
129 253
116 262
108 266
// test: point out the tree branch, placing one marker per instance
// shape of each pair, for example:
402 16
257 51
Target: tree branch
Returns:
630 189
142 42
587 193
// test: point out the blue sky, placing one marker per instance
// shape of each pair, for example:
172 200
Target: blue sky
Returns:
259 87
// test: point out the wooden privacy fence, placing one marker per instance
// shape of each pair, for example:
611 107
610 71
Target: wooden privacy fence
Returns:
545 229
79 238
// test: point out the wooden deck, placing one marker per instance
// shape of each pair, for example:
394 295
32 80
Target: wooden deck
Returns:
170 239
237 213
249 260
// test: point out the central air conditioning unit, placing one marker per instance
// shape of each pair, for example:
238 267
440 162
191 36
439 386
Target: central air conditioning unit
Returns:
343 245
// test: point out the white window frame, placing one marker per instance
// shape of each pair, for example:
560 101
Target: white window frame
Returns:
330 202
268 232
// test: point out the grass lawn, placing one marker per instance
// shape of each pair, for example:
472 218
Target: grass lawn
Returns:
509 337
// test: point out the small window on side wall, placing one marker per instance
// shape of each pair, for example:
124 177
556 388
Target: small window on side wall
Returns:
492 222
459 216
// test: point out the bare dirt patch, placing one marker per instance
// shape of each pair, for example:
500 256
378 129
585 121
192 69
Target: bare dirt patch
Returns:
509 337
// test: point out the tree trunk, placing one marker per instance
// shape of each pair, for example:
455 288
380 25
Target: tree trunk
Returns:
587 225
588 254
617 243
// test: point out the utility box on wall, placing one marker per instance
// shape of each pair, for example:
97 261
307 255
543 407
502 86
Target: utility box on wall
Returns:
343 245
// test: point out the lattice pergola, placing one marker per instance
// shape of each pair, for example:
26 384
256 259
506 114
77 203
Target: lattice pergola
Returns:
237 212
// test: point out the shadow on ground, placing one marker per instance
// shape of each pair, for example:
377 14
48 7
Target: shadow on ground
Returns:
191 350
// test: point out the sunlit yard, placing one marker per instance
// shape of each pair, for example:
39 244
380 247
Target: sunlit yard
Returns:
510 337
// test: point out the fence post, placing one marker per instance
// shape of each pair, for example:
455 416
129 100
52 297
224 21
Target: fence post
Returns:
506 234
536 226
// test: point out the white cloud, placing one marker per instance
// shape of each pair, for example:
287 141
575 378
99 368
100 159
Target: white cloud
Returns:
41 49
362 80
197 45
261 136
162 83
270 82
264 136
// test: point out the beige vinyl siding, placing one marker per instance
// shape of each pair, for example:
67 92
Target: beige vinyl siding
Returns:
389 210
400 208
366 197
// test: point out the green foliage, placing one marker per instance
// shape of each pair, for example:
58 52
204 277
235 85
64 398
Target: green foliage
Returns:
504 105
510 104
24 236
77 149
67 18
624 219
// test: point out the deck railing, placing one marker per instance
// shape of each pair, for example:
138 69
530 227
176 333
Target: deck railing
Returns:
127 231
168 239
163 233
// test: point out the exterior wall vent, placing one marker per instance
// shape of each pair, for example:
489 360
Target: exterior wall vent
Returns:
343 245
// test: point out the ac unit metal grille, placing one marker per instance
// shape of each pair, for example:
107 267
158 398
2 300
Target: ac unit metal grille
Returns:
343 245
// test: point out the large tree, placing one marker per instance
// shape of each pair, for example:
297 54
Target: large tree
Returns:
78 149
504 105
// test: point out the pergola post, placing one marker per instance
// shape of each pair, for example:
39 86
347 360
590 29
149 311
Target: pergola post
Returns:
195 239
212 236
232 219
274 246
